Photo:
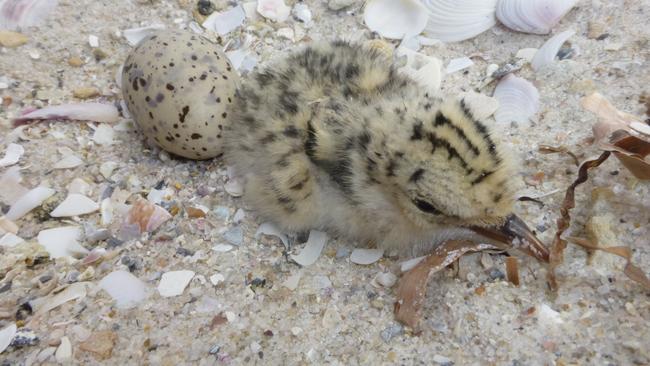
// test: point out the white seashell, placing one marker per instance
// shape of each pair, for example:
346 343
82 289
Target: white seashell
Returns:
28 202
15 14
78 186
69 162
424 69
640 127
126 289
546 54
301 12
222 248
458 20
104 135
93 41
310 253
62 242
250 8
106 211
234 187
238 216
135 35
268 228
11 189
156 196
275 10
458 64
12 155
97 112
217 278
75 205
386 279
532 16
526 54
9 240
173 283
64 351
225 22
7 335
75 291
395 19
106 169
518 100
286 33
366 256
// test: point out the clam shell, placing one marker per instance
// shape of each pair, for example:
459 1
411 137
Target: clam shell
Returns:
532 16
546 54
518 100
458 20
395 19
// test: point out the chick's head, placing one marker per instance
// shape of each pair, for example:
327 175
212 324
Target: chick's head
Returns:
446 168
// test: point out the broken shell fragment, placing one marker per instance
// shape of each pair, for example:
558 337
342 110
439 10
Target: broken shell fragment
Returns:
275 10
313 248
147 216
546 54
97 112
28 202
135 35
12 155
62 242
395 19
518 100
532 16
453 20
126 289
74 205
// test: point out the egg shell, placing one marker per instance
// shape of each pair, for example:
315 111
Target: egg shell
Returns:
179 87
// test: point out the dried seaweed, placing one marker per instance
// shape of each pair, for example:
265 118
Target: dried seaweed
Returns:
412 287
563 222
632 271
547 149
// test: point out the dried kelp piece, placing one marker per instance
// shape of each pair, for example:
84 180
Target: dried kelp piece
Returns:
564 221
512 270
530 199
631 152
413 285
632 271
546 149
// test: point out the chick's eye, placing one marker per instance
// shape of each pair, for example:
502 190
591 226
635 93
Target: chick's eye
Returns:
426 207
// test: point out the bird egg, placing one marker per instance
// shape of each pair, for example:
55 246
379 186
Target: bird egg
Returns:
179 88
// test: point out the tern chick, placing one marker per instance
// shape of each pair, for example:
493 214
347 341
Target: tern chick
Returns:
332 137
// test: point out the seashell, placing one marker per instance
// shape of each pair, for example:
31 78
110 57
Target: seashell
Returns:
366 256
15 14
395 19
310 253
225 22
104 135
147 216
12 155
546 54
9 240
458 20
69 162
234 187
268 228
533 16
11 188
7 226
518 100
126 289
135 35
7 335
62 242
275 10
526 54
301 12
173 283
74 205
78 186
458 64
96 112
28 202
424 69
106 211
75 291
411 263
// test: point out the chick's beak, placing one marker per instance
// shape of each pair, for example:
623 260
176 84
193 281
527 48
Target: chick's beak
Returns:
514 233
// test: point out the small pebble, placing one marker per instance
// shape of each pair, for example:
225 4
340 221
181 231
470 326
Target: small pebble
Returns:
11 39
25 337
234 235
496 274
85 92
75 61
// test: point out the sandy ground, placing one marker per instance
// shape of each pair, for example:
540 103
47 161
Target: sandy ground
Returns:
335 315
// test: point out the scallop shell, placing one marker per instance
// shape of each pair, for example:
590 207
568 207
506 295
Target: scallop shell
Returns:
458 20
546 54
395 19
518 100
16 14
532 16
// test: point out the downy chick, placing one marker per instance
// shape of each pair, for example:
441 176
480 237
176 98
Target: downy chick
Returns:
332 137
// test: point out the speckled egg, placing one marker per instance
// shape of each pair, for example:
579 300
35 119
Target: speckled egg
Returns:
179 88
